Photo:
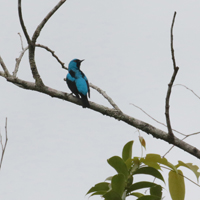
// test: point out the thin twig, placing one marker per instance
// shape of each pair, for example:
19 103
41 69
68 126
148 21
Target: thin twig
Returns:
188 89
186 136
4 147
172 39
21 41
1 141
4 67
22 22
53 54
155 119
166 126
105 96
171 83
18 60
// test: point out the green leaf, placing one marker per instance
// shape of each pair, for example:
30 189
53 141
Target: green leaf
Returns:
112 195
127 151
129 163
157 158
118 164
109 178
149 197
103 186
190 166
98 193
150 163
176 185
156 191
118 184
140 185
136 194
150 171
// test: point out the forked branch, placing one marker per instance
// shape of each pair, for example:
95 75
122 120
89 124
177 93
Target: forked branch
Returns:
31 43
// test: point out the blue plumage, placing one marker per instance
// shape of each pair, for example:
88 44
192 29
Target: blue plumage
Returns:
78 82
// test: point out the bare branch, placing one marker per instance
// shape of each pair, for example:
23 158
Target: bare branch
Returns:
33 66
4 147
22 22
149 129
106 96
53 54
171 83
44 21
34 70
188 89
21 41
2 74
155 119
172 45
182 140
18 60
4 67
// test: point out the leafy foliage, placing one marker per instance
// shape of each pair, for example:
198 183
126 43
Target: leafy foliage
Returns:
176 185
121 185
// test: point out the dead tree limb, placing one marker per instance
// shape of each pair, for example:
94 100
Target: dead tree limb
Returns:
171 83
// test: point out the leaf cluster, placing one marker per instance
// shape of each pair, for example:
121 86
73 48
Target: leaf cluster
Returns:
122 185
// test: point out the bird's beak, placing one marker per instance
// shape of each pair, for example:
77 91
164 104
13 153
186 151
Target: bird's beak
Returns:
82 60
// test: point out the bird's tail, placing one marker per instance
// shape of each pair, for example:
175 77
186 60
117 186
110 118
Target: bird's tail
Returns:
85 102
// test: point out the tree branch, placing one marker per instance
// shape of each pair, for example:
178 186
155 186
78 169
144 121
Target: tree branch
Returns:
18 60
181 140
106 96
188 89
155 119
35 72
44 21
171 83
6 72
172 40
3 146
22 22
149 129
53 54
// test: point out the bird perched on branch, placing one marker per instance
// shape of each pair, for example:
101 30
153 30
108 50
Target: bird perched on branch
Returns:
78 82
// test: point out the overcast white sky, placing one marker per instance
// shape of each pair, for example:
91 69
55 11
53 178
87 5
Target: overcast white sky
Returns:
57 150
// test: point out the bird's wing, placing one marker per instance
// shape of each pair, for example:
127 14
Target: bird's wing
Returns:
72 73
85 78
88 88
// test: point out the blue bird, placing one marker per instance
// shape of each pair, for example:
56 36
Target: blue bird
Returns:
78 82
